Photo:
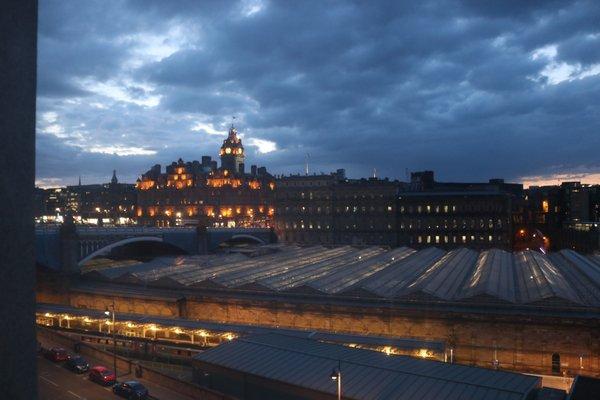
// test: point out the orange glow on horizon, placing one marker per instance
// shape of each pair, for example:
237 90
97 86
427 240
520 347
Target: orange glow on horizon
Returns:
557 179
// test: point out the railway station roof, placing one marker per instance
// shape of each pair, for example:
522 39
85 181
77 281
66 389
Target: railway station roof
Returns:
565 278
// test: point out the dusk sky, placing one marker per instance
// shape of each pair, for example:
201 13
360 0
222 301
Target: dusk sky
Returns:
470 89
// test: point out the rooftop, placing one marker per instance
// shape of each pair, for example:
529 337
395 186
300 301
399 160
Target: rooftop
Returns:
564 279
366 374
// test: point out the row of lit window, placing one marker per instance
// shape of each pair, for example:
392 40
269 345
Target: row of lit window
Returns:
311 196
317 225
347 209
437 209
432 223
438 239
208 211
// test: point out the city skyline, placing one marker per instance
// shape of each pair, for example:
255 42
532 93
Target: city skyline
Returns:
510 90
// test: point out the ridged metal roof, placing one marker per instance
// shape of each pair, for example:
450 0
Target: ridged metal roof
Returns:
564 278
365 374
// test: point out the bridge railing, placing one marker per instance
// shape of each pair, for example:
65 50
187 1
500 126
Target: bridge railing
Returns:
131 230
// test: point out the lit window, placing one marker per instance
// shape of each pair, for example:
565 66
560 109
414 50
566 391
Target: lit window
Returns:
545 206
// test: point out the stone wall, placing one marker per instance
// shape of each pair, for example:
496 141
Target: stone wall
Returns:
521 343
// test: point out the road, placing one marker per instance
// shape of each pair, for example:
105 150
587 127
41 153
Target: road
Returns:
55 382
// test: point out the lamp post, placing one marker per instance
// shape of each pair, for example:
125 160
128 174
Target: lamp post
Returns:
336 375
107 313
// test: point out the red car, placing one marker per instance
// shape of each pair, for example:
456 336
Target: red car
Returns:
102 375
57 354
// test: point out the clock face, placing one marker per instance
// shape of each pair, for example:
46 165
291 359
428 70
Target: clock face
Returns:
227 150
239 151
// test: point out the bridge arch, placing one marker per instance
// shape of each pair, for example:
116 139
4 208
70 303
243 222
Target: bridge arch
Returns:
108 248
249 237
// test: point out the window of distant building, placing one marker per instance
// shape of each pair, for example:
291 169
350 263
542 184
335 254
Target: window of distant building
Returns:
545 206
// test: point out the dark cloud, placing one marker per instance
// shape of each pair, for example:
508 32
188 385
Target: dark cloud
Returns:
471 89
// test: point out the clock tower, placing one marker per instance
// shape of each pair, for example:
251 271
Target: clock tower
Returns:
232 152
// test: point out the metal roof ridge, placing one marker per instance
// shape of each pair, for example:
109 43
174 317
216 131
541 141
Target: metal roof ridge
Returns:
339 359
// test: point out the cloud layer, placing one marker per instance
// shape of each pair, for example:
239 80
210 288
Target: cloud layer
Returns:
470 89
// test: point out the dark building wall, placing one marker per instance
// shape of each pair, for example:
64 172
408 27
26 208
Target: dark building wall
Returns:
329 209
18 35
568 215
476 220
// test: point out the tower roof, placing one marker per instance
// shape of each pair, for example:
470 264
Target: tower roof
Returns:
232 141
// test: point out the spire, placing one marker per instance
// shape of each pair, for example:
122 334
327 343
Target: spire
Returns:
114 179
79 180
232 130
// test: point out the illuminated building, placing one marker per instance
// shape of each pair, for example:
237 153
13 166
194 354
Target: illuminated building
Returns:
330 209
188 193
110 203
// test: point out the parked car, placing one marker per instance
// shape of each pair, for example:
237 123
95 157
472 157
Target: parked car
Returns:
102 375
131 390
57 354
78 364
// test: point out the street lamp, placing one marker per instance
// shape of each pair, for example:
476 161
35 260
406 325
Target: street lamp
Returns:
336 375
107 313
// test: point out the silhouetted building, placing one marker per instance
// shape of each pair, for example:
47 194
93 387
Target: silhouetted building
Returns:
188 193
568 215
330 209
477 215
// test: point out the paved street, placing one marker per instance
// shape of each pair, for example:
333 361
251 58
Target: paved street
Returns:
56 382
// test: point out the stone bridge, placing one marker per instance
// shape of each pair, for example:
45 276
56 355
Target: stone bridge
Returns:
68 247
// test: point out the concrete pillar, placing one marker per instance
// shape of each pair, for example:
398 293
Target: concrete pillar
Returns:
18 51
202 235
69 247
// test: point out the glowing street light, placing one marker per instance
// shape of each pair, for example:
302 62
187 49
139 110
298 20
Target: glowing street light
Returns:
336 376
107 313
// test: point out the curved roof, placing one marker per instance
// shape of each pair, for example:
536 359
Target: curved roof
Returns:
564 278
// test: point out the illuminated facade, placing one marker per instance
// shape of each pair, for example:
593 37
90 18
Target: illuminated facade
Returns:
188 193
